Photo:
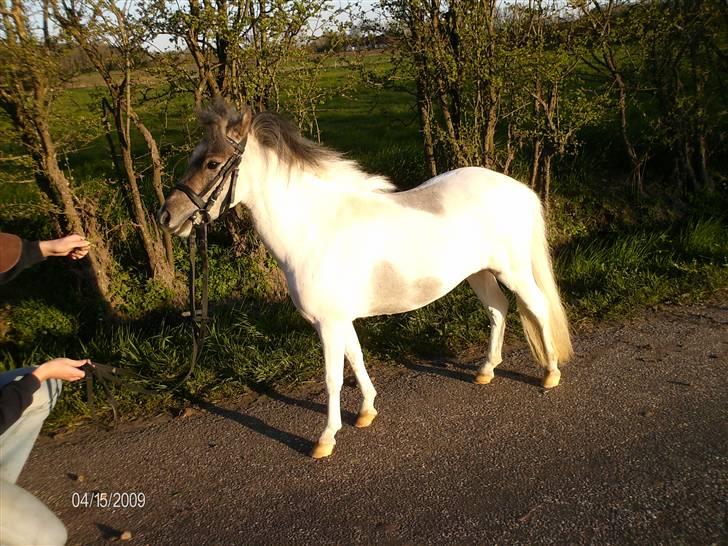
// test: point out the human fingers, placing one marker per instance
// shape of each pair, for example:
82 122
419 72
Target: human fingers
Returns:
61 368
76 363
78 254
70 370
75 241
70 373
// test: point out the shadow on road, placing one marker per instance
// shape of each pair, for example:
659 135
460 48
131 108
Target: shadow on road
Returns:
440 370
107 532
346 416
518 376
445 369
295 442
451 370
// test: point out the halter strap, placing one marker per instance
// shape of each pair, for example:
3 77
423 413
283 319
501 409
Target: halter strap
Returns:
189 192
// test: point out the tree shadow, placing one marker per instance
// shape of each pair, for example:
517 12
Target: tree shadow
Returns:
288 439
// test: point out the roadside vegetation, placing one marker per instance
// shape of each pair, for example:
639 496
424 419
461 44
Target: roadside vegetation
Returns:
633 174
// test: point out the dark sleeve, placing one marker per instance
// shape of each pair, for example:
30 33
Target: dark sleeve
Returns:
15 397
29 255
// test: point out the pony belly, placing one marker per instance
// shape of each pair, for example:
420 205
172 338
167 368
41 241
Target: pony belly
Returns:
391 292
413 270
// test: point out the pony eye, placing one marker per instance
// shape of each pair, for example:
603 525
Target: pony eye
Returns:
213 164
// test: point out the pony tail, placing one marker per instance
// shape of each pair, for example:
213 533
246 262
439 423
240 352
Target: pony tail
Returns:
543 274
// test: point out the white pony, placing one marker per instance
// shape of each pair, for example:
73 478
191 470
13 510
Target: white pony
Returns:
350 246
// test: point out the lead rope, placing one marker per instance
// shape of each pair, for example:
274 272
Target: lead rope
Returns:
105 374
198 320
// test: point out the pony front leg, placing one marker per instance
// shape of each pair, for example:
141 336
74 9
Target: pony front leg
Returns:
333 338
367 413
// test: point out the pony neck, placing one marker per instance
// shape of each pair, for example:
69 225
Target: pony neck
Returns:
283 201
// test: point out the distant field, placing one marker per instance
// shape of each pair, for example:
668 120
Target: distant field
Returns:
347 122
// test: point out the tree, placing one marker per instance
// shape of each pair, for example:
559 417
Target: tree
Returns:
241 49
452 49
30 77
486 76
686 66
546 54
613 31
91 24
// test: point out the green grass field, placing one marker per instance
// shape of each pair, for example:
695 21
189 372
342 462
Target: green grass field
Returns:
613 254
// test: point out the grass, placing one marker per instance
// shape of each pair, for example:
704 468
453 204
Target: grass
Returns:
607 277
612 256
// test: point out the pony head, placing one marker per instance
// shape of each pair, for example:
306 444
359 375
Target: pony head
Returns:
223 127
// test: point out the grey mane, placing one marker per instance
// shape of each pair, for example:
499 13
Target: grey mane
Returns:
271 130
280 136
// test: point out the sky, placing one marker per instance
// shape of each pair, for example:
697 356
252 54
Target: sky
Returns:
368 7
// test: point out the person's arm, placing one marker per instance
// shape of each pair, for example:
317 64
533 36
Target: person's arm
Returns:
73 246
16 396
30 254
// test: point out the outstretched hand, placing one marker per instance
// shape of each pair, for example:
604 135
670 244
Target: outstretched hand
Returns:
73 246
61 368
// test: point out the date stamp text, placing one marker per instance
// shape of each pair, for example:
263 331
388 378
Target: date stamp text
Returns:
112 499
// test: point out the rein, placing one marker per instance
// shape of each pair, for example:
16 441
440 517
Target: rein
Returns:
201 219
105 374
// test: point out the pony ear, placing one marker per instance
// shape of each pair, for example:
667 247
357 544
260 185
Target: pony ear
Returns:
239 127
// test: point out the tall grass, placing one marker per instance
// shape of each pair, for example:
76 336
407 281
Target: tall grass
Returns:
608 275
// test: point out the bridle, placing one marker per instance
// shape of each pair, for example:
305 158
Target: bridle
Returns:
201 215
200 218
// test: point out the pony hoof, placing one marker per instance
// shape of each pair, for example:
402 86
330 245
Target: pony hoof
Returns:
322 450
551 379
365 418
483 379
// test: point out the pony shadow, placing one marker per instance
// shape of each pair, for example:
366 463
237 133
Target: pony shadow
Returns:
499 372
459 375
288 439
108 533
440 370
518 376
346 416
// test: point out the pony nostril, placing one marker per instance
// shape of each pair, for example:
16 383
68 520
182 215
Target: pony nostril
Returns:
164 216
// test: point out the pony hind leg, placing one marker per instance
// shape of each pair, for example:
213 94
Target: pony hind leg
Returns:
534 311
353 353
489 293
333 338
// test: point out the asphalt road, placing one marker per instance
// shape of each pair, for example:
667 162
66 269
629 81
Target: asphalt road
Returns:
632 447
